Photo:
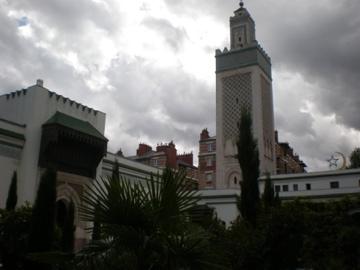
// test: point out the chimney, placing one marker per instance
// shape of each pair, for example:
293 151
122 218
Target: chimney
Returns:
276 136
143 149
40 82
187 158
204 134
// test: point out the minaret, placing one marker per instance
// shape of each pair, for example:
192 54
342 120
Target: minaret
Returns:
243 80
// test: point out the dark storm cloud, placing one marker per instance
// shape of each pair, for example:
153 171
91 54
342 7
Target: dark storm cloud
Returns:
319 39
173 36
297 123
321 42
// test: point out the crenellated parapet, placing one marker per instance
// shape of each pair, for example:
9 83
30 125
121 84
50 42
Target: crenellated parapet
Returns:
72 103
253 55
16 94
61 100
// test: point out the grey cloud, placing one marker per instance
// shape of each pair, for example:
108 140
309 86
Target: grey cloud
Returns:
219 9
318 39
323 46
295 122
68 15
301 37
172 35
184 106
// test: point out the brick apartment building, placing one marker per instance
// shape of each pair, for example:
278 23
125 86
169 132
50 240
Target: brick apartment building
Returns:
286 160
207 161
165 155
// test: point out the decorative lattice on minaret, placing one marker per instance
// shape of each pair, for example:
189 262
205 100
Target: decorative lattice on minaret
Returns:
236 96
267 114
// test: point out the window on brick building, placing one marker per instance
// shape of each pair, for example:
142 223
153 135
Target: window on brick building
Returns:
209 162
210 147
209 177
285 188
295 187
308 186
334 184
155 162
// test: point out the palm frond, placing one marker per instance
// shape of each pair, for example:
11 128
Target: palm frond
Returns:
134 218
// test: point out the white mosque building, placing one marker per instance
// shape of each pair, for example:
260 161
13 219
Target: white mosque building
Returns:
40 129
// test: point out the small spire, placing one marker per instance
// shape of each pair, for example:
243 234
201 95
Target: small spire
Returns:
241 3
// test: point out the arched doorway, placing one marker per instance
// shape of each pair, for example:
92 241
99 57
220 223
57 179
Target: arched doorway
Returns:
61 212
65 195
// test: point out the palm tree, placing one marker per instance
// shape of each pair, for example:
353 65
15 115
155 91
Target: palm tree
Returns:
144 225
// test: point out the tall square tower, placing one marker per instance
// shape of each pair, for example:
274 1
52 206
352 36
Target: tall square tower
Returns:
243 80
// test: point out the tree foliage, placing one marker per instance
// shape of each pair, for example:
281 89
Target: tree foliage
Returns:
14 233
68 230
355 158
269 194
298 235
248 156
96 229
42 231
12 194
116 170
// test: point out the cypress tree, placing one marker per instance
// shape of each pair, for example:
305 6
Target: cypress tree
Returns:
115 170
43 216
355 159
277 200
12 194
269 194
248 156
67 241
96 230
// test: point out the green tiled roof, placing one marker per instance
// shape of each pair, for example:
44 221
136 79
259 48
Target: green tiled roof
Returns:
75 124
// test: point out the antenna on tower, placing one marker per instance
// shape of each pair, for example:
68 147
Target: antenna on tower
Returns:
241 3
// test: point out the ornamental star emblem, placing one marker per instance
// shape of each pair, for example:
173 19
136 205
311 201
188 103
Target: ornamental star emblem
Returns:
333 162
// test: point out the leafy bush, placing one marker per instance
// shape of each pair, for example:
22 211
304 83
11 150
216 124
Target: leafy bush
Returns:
14 233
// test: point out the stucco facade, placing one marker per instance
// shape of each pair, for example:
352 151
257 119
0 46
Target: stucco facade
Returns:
33 122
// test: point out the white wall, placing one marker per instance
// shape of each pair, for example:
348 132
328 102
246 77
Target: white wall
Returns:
320 184
223 201
33 107
128 168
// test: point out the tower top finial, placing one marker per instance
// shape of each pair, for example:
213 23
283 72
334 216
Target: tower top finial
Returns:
241 3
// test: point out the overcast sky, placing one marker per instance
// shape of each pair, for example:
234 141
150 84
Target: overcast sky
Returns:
149 65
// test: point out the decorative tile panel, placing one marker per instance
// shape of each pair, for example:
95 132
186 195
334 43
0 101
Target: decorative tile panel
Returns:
267 115
236 96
